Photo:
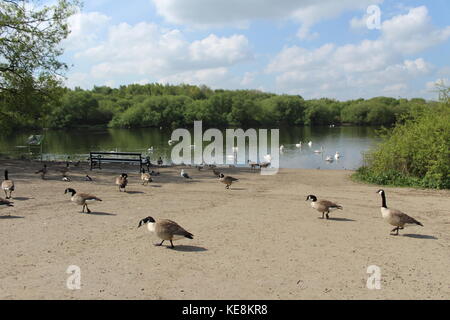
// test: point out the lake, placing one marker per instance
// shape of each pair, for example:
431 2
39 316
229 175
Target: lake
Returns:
350 142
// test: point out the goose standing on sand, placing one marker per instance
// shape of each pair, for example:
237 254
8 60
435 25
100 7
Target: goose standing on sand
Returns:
64 170
395 217
227 180
81 198
7 186
323 206
4 202
185 175
145 177
252 164
122 182
166 230
43 172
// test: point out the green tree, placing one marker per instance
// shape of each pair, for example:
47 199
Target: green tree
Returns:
29 55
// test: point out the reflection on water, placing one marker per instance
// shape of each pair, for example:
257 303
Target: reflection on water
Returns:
350 142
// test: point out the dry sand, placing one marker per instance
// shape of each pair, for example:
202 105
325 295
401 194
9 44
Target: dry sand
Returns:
259 240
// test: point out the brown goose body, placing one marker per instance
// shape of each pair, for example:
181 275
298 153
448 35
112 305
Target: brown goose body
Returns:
395 217
166 230
122 181
82 198
323 206
145 177
8 186
42 172
227 180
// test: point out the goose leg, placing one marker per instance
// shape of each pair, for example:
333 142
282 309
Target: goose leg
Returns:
88 211
159 245
323 213
83 208
171 245
327 215
395 229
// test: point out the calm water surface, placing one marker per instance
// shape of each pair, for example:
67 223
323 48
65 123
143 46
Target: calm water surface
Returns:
350 142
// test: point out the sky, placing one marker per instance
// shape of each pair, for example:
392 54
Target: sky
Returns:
346 49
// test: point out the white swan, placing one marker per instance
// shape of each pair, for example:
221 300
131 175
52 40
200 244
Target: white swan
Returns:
310 144
337 155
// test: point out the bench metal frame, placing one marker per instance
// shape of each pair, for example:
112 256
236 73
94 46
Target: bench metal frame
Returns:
97 158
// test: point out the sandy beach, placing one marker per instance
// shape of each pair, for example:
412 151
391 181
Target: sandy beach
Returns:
259 240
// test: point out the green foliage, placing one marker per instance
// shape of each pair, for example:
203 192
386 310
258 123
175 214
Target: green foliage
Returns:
414 153
30 35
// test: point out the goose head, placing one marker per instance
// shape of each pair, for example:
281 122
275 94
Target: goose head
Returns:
146 220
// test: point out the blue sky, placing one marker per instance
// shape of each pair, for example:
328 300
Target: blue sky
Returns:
311 48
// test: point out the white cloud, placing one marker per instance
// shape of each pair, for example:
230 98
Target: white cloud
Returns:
210 13
368 68
84 29
149 51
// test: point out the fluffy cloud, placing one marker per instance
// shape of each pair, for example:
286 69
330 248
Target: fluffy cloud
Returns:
84 29
207 13
368 68
151 52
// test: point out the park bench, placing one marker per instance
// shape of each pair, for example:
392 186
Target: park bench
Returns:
97 158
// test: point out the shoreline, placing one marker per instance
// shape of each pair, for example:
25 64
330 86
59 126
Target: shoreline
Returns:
259 240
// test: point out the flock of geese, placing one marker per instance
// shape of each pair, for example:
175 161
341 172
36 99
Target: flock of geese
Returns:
168 230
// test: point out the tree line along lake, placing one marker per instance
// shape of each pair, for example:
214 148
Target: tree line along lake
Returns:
349 141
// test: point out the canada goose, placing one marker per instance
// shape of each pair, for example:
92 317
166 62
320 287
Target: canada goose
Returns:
122 181
323 206
81 198
43 172
7 186
395 217
4 202
64 170
87 178
145 177
227 180
160 161
166 230
252 164
216 173
66 179
337 155
185 175
264 165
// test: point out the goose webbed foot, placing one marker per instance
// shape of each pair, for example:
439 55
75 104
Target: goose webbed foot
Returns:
159 244
171 245
396 231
